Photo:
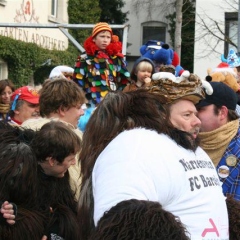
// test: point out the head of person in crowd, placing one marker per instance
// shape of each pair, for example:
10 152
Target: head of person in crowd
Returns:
141 73
181 94
139 219
62 99
25 104
165 107
142 68
18 165
102 39
6 90
101 35
217 109
56 146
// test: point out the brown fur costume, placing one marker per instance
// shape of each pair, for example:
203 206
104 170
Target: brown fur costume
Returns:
140 220
233 207
23 182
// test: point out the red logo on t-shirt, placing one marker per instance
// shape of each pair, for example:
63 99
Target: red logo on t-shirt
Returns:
208 230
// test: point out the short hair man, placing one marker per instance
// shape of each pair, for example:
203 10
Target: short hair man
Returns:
61 100
220 135
143 145
25 105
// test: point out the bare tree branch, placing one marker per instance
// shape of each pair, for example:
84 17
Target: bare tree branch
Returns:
178 27
212 32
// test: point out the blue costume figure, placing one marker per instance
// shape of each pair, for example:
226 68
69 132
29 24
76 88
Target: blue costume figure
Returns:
161 54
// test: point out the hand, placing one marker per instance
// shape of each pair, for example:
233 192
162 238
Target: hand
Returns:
147 80
8 212
44 238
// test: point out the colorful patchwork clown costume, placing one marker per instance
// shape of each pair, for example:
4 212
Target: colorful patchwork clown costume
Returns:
102 68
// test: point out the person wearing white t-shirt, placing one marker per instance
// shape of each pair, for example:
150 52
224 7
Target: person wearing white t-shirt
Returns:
143 145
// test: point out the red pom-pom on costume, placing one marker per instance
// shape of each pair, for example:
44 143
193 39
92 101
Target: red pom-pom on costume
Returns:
90 46
114 48
222 65
175 60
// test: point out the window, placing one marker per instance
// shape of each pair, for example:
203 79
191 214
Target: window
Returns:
3 70
58 11
54 8
153 30
231 31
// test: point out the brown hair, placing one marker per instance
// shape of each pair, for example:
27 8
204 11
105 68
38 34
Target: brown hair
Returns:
232 115
4 83
140 220
18 165
55 139
59 93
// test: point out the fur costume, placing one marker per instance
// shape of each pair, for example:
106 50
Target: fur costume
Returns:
187 86
233 207
45 205
139 219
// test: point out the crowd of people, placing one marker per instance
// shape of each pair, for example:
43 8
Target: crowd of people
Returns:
157 155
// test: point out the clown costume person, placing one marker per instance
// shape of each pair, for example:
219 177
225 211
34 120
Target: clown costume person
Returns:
102 68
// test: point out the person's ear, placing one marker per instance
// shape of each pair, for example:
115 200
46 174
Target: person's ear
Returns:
61 111
223 112
51 161
16 112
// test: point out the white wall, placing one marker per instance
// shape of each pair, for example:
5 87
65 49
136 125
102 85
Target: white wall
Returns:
207 50
14 11
135 21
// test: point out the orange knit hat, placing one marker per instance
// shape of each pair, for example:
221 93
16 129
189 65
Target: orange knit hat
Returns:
99 27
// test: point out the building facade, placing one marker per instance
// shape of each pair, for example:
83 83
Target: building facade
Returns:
147 21
215 20
33 12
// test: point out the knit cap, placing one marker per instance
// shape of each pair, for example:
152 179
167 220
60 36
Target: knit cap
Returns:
99 27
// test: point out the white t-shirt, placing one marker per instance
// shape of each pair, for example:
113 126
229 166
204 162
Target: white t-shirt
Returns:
142 164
